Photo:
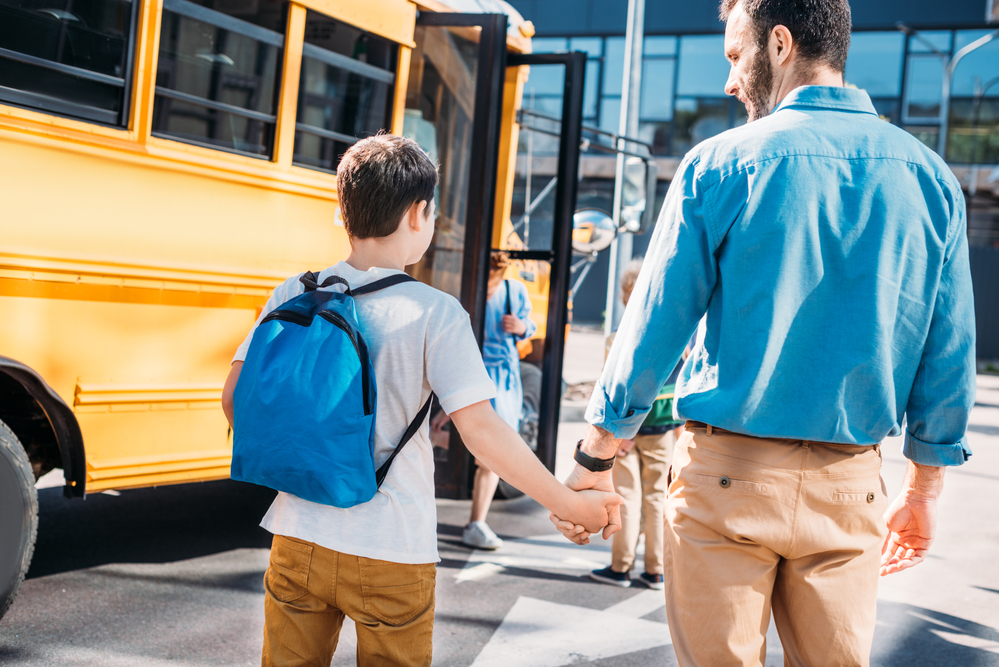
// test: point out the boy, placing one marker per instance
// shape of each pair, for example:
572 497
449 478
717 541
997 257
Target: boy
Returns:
376 562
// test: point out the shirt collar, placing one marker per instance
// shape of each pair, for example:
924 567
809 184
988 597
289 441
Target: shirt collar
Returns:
828 97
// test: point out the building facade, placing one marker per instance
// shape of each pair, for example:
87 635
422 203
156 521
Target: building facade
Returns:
898 54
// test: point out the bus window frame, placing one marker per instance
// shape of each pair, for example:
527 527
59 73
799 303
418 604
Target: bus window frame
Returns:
135 143
37 104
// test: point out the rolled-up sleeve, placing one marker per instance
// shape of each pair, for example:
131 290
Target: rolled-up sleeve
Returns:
674 286
943 391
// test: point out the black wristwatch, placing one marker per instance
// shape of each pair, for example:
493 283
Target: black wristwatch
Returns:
590 463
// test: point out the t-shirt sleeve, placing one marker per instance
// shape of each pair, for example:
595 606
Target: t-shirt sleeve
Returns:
288 289
454 365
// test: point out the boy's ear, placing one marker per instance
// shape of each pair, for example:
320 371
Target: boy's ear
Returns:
416 216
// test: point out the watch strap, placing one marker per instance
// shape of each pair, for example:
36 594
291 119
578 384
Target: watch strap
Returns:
590 463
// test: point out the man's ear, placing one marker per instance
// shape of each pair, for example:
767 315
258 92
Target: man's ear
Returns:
780 45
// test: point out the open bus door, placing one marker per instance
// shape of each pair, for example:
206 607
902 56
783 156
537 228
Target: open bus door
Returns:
454 110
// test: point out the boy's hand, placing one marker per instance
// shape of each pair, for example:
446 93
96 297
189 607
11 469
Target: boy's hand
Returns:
513 324
593 511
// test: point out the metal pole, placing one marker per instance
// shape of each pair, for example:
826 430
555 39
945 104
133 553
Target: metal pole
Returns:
948 77
631 87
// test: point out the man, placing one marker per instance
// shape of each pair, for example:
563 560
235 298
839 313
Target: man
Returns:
827 249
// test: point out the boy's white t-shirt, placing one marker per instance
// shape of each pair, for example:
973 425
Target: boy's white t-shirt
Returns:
419 340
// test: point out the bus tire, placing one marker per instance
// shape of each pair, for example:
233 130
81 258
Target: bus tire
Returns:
18 516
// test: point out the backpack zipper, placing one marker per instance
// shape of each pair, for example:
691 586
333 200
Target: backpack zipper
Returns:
288 316
339 322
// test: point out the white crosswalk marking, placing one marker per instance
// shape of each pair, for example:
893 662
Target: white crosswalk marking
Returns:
538 633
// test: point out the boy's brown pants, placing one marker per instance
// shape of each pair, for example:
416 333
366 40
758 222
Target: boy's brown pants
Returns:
758 524
309 590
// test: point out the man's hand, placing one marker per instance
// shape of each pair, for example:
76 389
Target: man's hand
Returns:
912 519
602 445
515 325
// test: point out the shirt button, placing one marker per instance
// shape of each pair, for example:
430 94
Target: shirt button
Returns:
724 482
630 412
870 497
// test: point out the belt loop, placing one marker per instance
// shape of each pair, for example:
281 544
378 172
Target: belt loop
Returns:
710 429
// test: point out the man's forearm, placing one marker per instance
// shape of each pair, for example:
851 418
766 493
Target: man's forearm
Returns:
923 482
599 443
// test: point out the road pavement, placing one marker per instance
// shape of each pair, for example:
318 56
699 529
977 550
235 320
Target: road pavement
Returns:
172 576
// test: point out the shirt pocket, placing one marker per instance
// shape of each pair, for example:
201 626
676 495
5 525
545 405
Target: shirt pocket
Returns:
288 572
395 593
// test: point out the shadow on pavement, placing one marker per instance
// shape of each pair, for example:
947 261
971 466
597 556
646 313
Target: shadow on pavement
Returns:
143 525
920 636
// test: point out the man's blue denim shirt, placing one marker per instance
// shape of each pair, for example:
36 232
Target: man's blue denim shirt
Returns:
828 249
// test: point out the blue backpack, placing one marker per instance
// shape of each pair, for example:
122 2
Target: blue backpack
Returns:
305 402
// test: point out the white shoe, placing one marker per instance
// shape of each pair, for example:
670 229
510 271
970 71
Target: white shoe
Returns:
478 534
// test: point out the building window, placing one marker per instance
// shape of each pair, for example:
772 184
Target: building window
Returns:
218 75
656 107
68 57
875 63
703 67
345 92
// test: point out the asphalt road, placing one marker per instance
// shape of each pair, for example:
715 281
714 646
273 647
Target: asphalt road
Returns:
172 576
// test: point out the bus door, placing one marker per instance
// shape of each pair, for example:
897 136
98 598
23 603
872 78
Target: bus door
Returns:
538 233
453 109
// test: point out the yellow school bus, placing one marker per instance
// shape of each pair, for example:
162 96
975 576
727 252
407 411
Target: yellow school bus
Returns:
165 163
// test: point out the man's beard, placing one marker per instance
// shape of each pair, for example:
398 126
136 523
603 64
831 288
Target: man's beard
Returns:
759 86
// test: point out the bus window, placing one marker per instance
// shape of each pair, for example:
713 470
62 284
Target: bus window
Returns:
218 74
345 92
69 57
440 106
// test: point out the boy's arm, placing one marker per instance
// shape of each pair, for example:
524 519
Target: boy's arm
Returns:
500 448
230 388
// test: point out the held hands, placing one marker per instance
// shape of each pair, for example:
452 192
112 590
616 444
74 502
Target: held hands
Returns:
594 510
580 478
513 324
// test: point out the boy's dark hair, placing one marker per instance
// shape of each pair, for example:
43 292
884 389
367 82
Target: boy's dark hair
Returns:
820 28
378 179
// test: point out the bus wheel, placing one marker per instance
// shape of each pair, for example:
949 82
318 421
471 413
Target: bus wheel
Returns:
18 516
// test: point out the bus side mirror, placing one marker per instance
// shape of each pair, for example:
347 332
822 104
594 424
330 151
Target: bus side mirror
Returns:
592 231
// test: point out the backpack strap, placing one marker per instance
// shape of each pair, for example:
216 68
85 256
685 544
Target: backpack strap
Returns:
382 284
311 281
414 426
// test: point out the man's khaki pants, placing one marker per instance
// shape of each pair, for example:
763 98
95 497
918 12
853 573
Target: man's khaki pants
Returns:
640 478
309 589
754 525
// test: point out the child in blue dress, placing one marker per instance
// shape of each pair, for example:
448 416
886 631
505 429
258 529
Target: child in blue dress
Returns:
508 307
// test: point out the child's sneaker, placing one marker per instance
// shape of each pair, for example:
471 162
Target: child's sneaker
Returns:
653 581
478 534
609 576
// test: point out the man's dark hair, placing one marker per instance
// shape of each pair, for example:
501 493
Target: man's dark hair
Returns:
820 28
378 179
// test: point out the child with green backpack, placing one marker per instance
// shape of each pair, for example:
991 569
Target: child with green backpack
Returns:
640 475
